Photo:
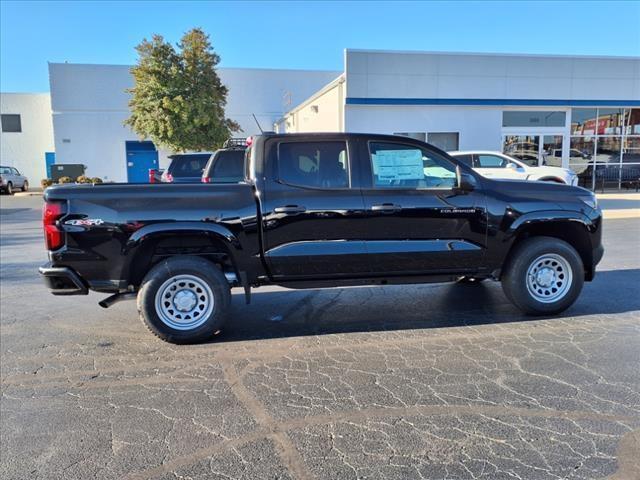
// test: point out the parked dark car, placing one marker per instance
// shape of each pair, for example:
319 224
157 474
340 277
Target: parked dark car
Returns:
225 165
319 210
185 168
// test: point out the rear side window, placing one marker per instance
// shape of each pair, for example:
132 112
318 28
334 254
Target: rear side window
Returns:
228 167
491 161
188 165
466 159
314 164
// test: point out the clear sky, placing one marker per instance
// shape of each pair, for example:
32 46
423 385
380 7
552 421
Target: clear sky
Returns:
308 35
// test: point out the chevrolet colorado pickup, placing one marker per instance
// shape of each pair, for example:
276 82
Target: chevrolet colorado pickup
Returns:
319 210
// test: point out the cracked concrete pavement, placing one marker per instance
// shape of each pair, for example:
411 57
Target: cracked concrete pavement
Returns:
432 381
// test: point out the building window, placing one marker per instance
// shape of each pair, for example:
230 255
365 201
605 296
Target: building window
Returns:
11 122
514 118
447 141
415 135
605 145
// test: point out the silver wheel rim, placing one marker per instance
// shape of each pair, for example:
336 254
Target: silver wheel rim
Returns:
184 302
549 278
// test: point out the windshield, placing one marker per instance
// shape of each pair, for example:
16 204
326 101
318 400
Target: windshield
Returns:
188 165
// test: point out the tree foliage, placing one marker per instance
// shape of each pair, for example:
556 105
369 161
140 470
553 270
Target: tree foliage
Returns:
178 99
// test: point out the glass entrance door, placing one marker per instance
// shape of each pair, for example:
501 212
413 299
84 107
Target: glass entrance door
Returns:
535 150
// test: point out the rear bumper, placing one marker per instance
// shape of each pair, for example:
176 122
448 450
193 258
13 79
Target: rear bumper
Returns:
63 280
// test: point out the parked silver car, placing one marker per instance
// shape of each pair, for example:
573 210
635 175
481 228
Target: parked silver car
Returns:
11 180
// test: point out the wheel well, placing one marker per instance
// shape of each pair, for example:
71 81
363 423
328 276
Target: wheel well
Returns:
551 179
161 246
575 234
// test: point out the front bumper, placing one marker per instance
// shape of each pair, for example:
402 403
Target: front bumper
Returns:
62 280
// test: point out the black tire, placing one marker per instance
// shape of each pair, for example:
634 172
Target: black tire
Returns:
557 258
203 280
25 186
9 189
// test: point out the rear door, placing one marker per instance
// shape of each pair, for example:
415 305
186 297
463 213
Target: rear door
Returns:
312 208
418 221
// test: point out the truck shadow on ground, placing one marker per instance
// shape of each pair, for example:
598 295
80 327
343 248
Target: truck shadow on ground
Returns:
290 313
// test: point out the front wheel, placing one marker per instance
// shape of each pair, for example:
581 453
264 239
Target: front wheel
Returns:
544 276
184 299
9 188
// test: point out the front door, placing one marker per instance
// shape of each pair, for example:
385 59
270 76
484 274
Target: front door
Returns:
141 157
313 213
536 150
418 221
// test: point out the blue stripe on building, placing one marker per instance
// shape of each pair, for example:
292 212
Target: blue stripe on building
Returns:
492 102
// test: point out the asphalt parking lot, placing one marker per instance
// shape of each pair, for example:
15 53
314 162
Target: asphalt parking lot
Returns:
433 381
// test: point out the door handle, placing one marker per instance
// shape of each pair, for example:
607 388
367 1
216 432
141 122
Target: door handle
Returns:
290 209
386 208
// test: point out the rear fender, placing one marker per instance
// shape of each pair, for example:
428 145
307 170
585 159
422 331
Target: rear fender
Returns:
136 242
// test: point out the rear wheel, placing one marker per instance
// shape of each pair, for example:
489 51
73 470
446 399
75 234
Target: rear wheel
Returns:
544 276
25 186
9 188
184 299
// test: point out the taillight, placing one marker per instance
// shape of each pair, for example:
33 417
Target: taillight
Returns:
206 180
53 235
152 175
167 177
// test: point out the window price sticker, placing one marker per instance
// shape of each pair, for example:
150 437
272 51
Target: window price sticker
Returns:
392 165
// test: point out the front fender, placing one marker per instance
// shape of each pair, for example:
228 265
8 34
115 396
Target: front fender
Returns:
532 218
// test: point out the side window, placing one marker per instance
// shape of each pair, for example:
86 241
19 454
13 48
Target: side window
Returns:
466 159
15 171
397 165
5 170
313 164
491 161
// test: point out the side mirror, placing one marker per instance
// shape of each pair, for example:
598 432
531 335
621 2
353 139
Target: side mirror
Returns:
512 166
466 181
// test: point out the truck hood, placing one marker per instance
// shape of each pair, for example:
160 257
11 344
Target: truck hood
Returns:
532 196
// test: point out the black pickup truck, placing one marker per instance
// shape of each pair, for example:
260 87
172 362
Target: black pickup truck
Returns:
319 210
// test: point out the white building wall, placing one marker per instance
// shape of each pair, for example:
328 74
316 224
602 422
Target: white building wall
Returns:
388 74
25 150
323 112
89 106
389 92
479 128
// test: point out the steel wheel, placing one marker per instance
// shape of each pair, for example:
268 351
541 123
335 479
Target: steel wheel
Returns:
549 278
184 302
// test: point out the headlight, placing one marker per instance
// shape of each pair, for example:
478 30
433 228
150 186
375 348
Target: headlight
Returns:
590 201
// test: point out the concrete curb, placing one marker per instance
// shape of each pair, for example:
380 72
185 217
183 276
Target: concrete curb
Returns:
616 213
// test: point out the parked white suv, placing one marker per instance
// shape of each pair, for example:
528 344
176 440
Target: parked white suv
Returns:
498 165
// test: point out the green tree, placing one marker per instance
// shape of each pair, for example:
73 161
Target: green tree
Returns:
178 99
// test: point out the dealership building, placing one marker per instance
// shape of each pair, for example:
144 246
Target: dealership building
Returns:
570 111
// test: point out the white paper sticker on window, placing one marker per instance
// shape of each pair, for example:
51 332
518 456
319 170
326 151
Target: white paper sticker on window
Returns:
391 165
